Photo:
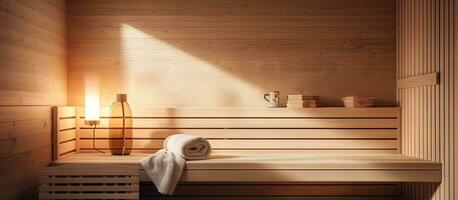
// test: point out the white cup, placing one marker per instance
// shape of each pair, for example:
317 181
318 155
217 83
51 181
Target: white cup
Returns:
273 98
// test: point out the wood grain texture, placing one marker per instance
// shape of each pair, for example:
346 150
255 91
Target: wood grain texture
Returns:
33 76
232 167
336 149
25 146
213 53
427 45
281 190
374 130
64 131
89 182
32 53
418 81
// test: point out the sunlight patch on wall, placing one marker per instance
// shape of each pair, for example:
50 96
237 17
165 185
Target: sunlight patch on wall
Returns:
156 73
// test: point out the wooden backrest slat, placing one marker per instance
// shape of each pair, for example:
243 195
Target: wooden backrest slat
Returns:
240 112
64 131
372 130
86 133
216 123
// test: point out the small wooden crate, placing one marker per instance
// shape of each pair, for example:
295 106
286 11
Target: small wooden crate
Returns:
358 102
89 181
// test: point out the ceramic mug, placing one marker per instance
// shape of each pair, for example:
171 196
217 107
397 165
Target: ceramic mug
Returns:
273 98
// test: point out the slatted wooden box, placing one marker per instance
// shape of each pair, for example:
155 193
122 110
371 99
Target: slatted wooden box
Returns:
89 181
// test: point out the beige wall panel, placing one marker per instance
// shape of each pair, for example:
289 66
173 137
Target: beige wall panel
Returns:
213 53
33 76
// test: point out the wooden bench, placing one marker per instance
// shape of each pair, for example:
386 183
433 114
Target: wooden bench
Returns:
258 144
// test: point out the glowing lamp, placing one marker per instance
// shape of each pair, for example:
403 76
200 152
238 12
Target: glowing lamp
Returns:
92 100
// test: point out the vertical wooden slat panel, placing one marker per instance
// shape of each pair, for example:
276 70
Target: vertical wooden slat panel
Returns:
455 49
427 44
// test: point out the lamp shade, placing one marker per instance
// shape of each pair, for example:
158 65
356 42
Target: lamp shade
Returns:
92 98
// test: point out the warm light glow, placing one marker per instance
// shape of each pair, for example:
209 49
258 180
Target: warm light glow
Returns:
92 99
161 74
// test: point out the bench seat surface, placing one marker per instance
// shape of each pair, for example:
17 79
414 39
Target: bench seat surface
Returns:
278 166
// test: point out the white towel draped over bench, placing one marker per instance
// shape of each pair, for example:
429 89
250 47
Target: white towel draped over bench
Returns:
164 168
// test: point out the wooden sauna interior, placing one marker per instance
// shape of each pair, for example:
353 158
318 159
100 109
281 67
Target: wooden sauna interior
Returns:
216 59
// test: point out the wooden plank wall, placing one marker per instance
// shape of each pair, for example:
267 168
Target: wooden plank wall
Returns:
229 53
427 44
32 77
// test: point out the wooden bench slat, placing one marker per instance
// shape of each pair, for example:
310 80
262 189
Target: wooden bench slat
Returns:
285 151
68 123
66 111
275 189
307 176
252 123
100 168
101 188
272 160
89 196
256 112
261 144
296 167
66 135
252 133
47 179
66 147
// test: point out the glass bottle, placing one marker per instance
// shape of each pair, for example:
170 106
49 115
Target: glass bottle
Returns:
120 124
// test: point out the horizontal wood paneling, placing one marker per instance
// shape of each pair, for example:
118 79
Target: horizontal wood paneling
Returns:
426 46
33 76
330 129
25 146
213 53
32 54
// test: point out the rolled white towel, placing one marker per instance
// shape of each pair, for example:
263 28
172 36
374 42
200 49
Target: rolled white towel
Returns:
165 167
190 147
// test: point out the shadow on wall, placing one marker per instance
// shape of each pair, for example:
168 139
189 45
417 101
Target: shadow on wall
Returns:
231 53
